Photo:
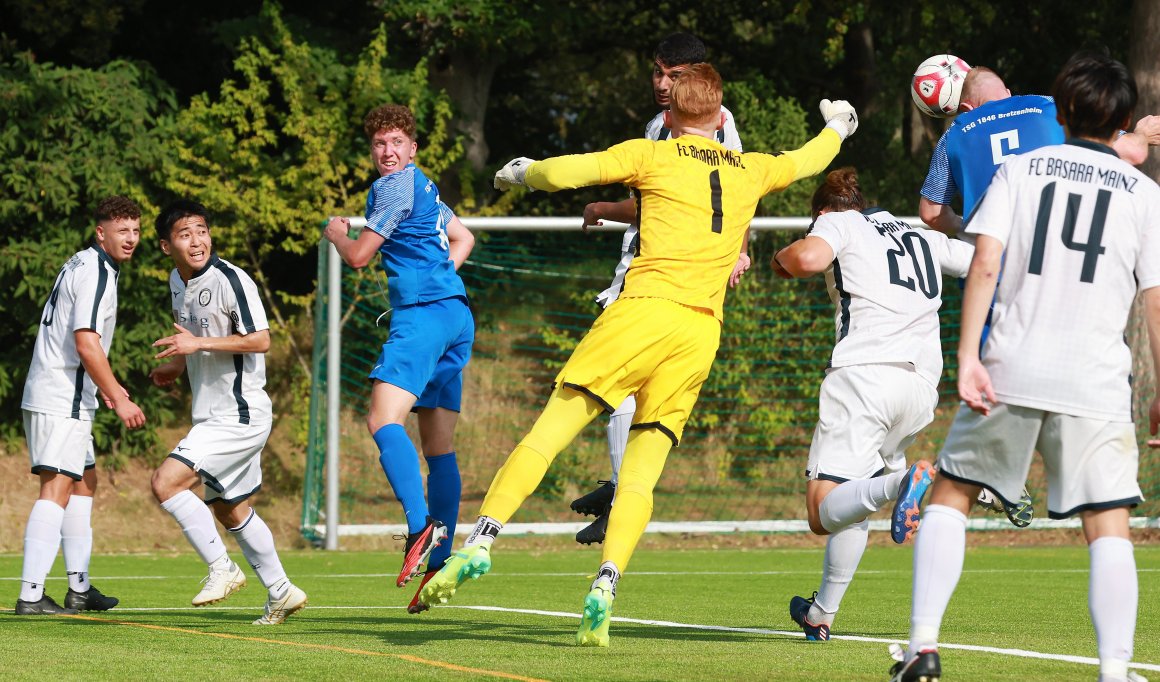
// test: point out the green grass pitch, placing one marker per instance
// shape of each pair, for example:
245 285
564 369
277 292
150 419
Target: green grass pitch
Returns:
692 615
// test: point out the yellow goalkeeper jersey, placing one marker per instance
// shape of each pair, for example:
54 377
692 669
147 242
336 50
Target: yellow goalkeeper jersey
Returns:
695 199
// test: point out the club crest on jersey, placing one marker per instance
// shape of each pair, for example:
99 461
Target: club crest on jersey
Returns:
203 298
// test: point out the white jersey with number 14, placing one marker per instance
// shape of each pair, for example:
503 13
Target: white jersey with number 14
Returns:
1081 232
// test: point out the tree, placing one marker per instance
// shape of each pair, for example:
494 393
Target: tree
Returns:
67 143
1145 65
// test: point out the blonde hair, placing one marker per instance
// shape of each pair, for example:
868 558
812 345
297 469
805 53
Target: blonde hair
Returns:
696 94
981 85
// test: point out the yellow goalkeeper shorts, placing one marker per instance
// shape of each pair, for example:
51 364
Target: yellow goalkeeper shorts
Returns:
653 348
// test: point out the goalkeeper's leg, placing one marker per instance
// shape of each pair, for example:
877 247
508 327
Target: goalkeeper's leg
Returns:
644 460
598 503
565 415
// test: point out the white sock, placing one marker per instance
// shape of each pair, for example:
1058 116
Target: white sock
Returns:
1113 595
41 540
608 570
76 541
854 500
844 550
196 521
938 565
618 428
485 532
257 543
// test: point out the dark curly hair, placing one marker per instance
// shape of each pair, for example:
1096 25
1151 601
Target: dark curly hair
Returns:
389 117
117 207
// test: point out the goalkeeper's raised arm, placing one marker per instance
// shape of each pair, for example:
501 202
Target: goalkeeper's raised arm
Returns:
621 162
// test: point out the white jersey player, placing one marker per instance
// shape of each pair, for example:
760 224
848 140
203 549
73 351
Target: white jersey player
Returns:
69 365
1081 231
222 334
673 54
885 279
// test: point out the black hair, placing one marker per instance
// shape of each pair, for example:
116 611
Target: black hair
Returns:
679 49
1094 95
176 210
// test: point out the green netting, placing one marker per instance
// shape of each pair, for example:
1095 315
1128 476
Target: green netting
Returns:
744 451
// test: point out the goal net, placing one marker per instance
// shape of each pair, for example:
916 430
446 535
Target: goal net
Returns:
532 284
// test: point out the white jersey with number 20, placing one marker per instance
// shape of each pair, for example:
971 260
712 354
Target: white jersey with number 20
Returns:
886 283
1081 232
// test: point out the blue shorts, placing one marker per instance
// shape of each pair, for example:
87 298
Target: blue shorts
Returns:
428 347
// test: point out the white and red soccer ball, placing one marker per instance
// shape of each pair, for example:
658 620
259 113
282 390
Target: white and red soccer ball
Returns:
938 84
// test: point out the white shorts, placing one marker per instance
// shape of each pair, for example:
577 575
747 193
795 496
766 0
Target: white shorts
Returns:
867 416
59 444
1090 463
228 457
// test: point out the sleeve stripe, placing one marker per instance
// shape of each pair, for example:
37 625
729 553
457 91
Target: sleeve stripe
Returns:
394 199
239 294
102 282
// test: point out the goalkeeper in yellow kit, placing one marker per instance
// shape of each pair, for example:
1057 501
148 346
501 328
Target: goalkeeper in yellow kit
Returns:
658 340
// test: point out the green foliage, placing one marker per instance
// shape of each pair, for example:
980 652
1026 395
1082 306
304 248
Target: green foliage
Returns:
473 26
278 147
769 122
67 143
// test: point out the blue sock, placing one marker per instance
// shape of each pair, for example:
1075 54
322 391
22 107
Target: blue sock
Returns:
400 463
443 488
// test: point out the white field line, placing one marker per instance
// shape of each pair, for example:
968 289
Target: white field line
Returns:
767 526
1017 653
583 574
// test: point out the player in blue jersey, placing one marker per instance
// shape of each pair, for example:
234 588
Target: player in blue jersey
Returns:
992 126
421 366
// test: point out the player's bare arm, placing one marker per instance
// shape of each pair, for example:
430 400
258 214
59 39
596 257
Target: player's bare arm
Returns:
1152 316
357 253
1133 147
805 257
460 241
185 343
96 364
974 381
940 217
597 212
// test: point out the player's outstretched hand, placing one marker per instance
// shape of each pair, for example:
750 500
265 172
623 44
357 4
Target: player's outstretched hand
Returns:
840 116
512 174
181 343
742 266
975 387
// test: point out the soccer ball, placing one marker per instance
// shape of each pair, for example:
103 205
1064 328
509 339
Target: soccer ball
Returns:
937 85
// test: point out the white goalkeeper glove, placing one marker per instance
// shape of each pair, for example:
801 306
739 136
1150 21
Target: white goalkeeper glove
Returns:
840 116
513 173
